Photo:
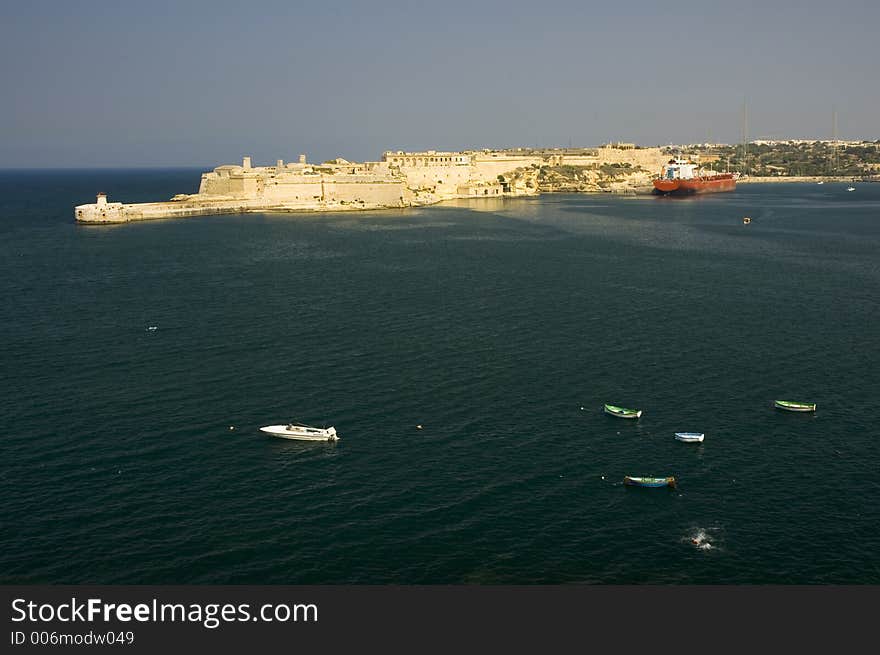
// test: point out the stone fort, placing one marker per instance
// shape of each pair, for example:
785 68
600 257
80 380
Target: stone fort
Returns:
399 179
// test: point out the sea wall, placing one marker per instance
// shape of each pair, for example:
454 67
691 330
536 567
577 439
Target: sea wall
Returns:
428 172
118 212
781 179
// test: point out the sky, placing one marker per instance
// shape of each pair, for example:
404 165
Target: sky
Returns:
175 83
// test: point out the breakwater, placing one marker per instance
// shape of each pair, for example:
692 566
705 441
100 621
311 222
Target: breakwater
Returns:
103 211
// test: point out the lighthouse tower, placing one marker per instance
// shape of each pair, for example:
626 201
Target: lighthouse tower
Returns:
100 211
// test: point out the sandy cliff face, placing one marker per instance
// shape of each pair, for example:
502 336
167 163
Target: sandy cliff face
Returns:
592 179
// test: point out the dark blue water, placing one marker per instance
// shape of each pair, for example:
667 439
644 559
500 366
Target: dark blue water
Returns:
500 328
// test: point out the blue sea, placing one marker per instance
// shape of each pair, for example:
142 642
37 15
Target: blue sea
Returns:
501 327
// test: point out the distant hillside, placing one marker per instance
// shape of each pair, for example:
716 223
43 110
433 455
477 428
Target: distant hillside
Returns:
816 158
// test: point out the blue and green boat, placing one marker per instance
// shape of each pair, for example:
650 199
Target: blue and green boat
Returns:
622 412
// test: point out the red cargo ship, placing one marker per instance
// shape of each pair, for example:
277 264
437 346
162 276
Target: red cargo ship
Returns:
680 177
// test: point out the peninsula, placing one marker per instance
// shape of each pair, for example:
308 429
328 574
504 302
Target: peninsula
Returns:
399 179
412 179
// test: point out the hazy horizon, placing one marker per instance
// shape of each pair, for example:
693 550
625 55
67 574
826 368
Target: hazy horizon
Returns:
167 84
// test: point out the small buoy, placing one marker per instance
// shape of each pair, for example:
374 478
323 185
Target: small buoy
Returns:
231 427
581 408
603 477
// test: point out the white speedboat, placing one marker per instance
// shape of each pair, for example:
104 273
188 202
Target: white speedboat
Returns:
690 437
850 188
301 432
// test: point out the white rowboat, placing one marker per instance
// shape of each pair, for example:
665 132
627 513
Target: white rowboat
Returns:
791 406
690 437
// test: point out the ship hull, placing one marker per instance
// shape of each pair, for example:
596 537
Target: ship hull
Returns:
715 184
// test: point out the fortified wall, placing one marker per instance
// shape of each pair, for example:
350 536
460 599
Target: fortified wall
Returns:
301 185
235 189
478 172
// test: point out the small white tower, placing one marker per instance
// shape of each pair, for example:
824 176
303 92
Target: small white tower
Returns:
102 199
246 163
302 159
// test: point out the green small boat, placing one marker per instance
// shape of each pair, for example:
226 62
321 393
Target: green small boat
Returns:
649 482
622 412
790 406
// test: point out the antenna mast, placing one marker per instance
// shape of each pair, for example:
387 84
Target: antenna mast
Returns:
745 136
836 145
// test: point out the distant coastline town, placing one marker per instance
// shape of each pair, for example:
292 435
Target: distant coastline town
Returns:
411 179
